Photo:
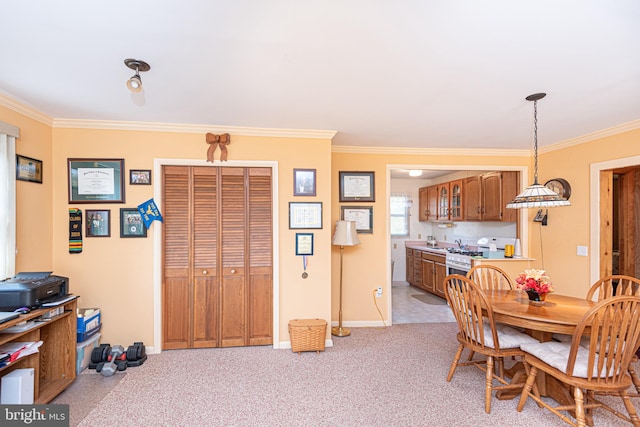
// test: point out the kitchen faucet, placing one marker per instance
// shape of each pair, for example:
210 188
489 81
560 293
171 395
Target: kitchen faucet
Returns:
459 242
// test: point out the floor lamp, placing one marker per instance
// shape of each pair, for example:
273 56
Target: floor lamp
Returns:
345 235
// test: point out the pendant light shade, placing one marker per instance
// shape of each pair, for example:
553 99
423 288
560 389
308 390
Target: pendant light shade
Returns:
536 195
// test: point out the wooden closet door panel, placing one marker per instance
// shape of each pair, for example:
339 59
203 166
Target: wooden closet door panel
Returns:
175 285
233 240
260 248
205 254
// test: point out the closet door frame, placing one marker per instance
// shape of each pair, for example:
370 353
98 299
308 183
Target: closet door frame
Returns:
156 232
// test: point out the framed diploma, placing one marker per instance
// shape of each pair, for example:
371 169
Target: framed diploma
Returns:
357 186
96 180
304 243
305 215
362 216
28 169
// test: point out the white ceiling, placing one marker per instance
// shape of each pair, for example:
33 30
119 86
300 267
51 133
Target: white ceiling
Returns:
415 73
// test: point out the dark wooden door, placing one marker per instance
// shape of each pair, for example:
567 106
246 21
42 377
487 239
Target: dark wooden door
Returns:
217 285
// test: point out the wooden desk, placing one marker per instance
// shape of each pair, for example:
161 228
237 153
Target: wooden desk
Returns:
559 314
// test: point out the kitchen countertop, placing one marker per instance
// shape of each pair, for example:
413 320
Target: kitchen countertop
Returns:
441 248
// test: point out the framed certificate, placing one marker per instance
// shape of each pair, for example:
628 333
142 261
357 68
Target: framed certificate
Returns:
357 186
96 180
304 243
362 216
305 215
28 169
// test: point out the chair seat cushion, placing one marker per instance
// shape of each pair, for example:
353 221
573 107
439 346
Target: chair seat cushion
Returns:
507 336
556 354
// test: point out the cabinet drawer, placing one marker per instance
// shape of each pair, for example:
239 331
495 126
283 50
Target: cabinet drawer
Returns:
434 257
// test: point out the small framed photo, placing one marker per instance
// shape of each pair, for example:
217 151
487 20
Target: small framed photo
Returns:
305 215
139 176
131 224
357 186
363 217
304 243
28 169
98 223
304 182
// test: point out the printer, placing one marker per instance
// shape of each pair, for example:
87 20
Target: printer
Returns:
31 290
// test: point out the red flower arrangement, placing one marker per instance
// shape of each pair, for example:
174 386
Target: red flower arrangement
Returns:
534 281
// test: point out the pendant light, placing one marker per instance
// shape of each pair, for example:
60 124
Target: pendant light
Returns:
536 195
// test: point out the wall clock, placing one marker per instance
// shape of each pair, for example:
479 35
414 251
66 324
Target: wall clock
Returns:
559 186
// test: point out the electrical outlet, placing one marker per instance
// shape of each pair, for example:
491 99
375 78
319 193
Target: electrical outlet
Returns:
419 236
379 292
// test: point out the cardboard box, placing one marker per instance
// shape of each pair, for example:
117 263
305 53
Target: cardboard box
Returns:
17 387
83 352
88 323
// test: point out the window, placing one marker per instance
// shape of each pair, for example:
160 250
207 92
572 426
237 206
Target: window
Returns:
399 214
8 136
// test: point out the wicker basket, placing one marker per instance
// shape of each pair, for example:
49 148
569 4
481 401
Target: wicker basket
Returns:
307 335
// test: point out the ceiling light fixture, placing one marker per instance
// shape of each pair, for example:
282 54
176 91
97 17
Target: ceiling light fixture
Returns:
135 82
536 195
415 172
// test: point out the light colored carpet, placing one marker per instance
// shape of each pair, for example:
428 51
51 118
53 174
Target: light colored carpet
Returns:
430 299
392 376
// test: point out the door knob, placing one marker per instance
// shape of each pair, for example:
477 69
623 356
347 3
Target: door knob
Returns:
233 271
204 272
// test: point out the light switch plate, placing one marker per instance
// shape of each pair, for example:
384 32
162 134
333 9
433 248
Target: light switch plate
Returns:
583 250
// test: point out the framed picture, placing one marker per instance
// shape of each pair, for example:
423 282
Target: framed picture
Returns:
304 182
304 243
96 180
98 223
363 217
305 215
131 224
28 169
140 176
357 186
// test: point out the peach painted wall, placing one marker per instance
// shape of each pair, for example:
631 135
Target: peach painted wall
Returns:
569 226
117 274
33 201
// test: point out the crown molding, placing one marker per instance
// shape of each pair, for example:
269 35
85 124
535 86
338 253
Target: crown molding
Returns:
615 130
25 110
431 151
196 128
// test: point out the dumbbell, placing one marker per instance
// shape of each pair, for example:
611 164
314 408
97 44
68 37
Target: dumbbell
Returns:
116 361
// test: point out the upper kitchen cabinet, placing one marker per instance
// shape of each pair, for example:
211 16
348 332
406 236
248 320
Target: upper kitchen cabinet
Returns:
428 203
456 200
443 201
487 195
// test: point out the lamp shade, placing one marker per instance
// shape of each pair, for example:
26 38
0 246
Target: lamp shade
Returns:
135 83
537 196
346 234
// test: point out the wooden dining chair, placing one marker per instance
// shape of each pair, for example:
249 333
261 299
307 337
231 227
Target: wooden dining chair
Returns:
478 332
490 277
616 285
613 326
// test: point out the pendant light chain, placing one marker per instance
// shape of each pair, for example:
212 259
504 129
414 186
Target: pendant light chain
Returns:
535 142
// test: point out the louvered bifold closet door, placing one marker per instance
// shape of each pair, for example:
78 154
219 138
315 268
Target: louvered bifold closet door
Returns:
205 254
176 289
233 287
260 257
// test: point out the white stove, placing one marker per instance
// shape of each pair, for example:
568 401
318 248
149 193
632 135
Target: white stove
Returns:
459 260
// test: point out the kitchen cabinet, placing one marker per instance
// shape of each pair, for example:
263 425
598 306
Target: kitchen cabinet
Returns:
54 364
414 267
456 200
443 202
487 195
428 203
434 271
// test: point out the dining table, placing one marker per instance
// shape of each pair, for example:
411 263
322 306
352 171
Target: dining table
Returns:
557 314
